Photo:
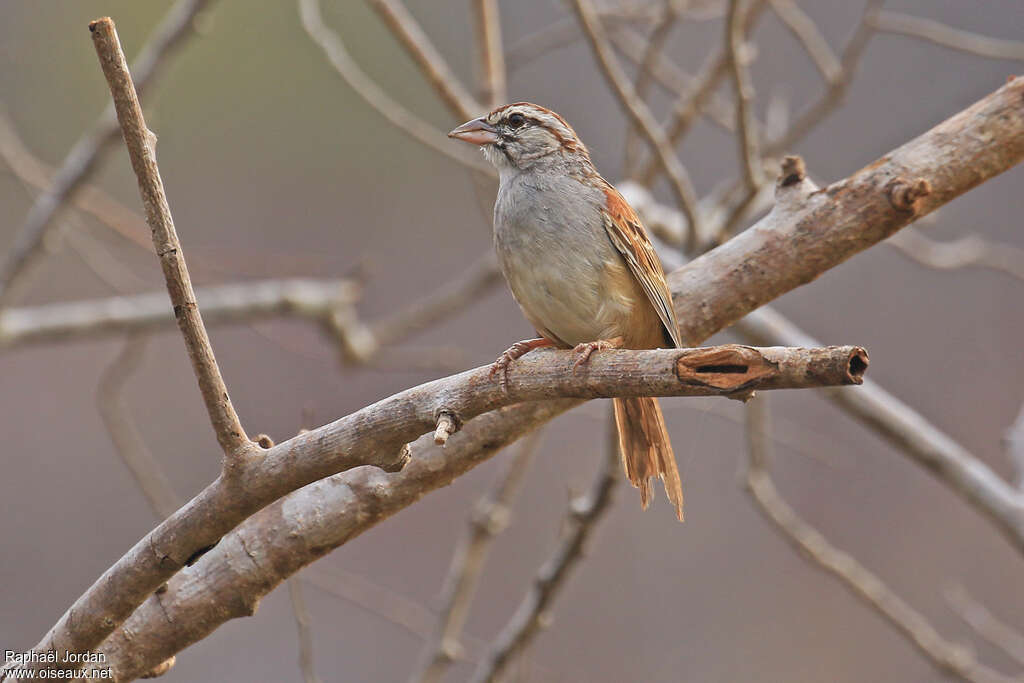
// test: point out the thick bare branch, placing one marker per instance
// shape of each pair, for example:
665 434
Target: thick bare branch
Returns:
947 36
229 581
489 518
141 145
639 113
811 230
86 154
534 612
951 657
375 96
979 143
433 66
378 434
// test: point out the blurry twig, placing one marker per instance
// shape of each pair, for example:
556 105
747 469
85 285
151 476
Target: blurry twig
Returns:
837 87
640 114
1014 440
305 635
446 84
672 78
87 152
146 312
128 442
450 298
690 104
985 624
806 31
749 145
947 36
967 251
533 612
491 54
655 45
948 656
389 108
489 517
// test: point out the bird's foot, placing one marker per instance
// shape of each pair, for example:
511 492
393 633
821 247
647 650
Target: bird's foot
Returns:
517 350
586 349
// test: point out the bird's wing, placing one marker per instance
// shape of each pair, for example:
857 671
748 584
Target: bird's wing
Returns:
627 233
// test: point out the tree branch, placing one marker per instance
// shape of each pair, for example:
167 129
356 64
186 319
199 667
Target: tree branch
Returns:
945 655
141 145
534 611
947 36
86 154
433 66
489 518
638 112
491 55
912 434
849 216
310 299
375 96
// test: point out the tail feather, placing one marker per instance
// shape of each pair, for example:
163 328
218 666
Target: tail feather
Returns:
646 450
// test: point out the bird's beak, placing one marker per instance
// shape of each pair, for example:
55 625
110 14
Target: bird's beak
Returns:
477 132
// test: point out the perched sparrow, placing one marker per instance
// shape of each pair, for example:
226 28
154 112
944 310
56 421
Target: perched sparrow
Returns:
581 267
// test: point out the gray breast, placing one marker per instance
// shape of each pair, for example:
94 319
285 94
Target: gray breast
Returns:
554 252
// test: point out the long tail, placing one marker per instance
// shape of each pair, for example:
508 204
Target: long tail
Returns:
645 449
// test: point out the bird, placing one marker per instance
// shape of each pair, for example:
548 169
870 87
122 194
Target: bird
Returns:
580 265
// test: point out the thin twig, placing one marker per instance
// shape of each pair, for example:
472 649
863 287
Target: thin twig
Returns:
833 95
482 276
128 442
375 96
806 32
947 36
89 150
534 611
639 113
490 53
689 105
489 518
673 79
305 634
947 656
964 252
986 624
1014 440
410 34
655 44
141 149
747 138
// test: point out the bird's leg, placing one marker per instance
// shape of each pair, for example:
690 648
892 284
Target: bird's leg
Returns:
517 350
587 348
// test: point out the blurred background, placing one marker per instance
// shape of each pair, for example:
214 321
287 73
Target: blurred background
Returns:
274 168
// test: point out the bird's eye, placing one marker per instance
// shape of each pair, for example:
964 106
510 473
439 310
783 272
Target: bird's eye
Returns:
516 120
